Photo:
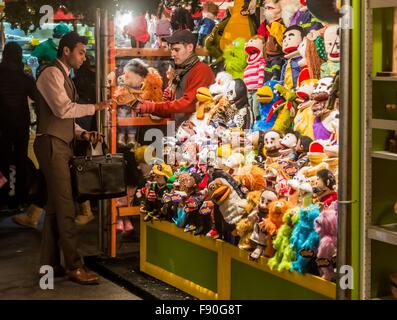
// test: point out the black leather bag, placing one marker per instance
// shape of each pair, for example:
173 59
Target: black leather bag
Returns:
98 177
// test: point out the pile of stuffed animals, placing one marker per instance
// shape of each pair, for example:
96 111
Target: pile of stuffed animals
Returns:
257 164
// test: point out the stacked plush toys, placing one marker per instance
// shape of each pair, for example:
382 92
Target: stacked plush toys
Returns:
258 166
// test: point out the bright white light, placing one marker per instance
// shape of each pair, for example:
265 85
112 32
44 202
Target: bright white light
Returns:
124 19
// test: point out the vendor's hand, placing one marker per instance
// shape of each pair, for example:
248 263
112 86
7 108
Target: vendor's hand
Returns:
92 136
137 107
103 105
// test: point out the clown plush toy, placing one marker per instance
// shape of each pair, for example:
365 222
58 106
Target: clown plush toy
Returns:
254 73
293 36
332 47
267 97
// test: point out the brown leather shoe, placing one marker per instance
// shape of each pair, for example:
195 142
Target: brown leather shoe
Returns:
82 276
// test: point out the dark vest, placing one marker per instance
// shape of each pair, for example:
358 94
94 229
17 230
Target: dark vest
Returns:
47 122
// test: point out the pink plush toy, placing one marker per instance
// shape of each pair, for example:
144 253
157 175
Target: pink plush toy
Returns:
326 225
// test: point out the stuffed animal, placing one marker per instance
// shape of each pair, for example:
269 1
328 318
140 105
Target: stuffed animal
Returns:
126 96
273 223
316 158
304 239
326 122
235 58
332 47
272 146
152 86
257 216
234 162
226 194
282 260
293 36
302 149
254 73
326 225
222 80
252 177
267 97
244 229
274 50
325 188
304 119
288 145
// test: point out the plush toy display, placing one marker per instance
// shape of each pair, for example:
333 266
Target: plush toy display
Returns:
288 145
304 119
326 225
325 187
152 86
272 146
274 51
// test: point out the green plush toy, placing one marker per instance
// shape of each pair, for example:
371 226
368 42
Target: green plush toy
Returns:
235 58
282 260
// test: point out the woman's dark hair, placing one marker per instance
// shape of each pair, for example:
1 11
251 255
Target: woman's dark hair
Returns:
70 40
12 54
181 19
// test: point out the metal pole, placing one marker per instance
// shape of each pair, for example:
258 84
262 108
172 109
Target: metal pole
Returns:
98 62
345 143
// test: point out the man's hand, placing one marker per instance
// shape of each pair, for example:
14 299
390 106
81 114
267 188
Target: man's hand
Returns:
92 136
137 106
103 105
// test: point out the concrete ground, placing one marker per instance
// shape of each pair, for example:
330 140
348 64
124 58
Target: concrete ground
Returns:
19 254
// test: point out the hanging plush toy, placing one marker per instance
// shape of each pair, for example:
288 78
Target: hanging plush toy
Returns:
273 223
254 73
326 225
274 51
293 36
235 58
332 47
258 216
267 97
282 260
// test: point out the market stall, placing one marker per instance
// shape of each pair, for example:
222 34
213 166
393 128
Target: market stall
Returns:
243 202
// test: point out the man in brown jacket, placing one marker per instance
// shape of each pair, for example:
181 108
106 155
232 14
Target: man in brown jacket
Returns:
56 130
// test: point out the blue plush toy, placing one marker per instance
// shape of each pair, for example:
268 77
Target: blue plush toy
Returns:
305 239
267 96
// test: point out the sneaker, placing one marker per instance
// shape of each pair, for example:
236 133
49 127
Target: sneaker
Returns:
190 228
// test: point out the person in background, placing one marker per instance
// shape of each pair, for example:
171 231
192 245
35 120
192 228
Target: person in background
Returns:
46 52
181 19
163 26
15 88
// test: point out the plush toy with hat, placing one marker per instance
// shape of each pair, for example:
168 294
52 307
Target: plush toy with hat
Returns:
326 225
267 96
315 156
235 58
